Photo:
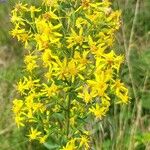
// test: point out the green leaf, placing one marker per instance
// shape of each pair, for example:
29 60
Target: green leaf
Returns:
51 146
58 116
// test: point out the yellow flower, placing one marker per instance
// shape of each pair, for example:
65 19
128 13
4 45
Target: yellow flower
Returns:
87 95
50 15
99 85
18 32
50 90
19 7
30 115
49 73
31 84
30 62
47 27
121 92
33 9
17 20
99 111
21 35
34 134
50 3
29 103
19 120
47 33
61 70
115 16
25 38
38 107
17 105
74 70
84 142
80 22
82 58
70 145
42 41
75 39
96 48
43 139
29 58
112 60
21 87
48 58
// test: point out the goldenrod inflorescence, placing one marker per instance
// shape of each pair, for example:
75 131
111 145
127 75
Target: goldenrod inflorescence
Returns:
71 71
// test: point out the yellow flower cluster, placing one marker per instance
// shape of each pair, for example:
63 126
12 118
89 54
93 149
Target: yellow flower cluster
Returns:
71 70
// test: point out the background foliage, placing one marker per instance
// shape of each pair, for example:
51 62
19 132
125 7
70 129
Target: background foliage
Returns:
126 127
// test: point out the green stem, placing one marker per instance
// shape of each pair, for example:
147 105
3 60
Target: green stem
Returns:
68 114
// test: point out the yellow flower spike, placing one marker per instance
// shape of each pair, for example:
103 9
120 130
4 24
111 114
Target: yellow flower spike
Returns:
34 134
118 61
55 27
71 71
47 27
92 44
41 25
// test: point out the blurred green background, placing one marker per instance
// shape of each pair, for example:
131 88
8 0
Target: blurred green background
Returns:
126 127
